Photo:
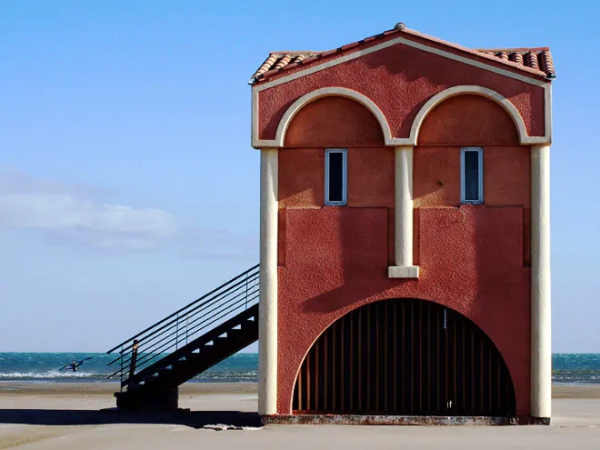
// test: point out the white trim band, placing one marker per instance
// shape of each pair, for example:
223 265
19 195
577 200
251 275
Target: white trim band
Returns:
267 318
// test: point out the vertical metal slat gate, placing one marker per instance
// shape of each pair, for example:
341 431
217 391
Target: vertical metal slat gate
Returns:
404 357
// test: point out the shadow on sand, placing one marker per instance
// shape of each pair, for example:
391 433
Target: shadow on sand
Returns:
193 419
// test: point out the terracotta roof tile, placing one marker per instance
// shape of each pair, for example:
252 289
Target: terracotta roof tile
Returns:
534 58
348 46
516 57
280 60
536 61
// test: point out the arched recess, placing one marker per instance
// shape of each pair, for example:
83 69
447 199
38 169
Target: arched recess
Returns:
331 92
468 120
404 357
333 122
469 90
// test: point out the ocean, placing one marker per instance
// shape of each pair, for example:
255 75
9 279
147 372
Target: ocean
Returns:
44 367
568 368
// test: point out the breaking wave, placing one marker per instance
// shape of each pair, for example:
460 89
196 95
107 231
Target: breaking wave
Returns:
568 368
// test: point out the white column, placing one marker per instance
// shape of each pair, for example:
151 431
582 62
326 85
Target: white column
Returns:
267 325
541 350
403 219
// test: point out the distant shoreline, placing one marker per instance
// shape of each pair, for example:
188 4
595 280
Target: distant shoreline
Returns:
61 387
72 388
568 369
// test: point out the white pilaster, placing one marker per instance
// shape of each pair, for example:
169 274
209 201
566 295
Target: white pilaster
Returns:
267 325
403 219
541 350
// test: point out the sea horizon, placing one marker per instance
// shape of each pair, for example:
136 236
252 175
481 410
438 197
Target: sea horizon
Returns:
568 368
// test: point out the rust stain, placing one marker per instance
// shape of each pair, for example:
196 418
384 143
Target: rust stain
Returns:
348 419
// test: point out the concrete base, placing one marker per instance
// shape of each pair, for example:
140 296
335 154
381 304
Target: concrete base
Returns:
348 419
159 400
535 421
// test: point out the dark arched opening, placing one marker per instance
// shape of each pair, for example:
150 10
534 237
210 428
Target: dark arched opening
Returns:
404 357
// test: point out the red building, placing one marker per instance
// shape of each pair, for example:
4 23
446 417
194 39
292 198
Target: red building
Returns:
405 246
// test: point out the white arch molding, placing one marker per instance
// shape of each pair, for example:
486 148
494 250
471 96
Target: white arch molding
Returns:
331 92
434 101
470 90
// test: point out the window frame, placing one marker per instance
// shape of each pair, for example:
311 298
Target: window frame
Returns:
344 153
463 179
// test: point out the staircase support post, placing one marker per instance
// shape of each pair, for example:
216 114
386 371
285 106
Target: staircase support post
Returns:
267 317
134 352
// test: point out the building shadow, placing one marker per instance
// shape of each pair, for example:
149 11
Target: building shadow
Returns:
192 419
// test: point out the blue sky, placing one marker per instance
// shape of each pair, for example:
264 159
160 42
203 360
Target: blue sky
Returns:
128 186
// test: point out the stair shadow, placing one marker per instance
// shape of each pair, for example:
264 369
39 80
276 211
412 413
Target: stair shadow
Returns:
193 419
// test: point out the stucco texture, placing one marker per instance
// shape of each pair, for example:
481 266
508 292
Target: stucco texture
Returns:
472 259
370 177
399 80
436 176
470 121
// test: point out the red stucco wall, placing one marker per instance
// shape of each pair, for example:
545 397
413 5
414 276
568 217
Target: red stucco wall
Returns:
370 177
400 80
473 259
436 176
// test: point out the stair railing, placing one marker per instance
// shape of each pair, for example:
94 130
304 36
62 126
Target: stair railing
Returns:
185 324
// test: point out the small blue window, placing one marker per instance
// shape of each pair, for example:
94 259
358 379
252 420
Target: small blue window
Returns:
336 177
471 175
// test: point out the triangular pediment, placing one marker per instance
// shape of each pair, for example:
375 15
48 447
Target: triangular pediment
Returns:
524 63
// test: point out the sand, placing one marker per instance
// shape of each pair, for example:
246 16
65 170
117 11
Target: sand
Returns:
81 416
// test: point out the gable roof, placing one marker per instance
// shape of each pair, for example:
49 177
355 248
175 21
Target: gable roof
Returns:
534 61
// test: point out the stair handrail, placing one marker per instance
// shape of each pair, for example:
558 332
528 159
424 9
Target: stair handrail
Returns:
151 353
208 303
182 309
153 344
195 326
167 327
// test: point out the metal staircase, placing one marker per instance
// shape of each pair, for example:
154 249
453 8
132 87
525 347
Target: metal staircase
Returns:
153 363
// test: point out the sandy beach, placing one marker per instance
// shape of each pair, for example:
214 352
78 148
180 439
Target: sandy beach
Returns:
80 415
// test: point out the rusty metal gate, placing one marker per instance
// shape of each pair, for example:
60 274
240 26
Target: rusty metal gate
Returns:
405 357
